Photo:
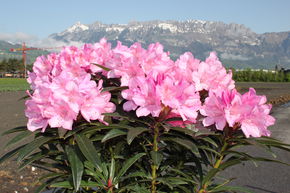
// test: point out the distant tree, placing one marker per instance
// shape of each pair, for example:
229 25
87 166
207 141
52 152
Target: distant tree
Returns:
11 65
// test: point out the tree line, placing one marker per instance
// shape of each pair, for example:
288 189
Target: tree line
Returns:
249 75
12 65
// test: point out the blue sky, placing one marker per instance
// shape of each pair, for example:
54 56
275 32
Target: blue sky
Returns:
39 18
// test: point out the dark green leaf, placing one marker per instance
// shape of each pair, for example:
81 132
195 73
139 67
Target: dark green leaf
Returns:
88 150
140 174
64 184
156 157
128 164
41 188
14 130
18 138
210 174
183 130
11 153
209 140
185 143
76 166
113 133
32 146
165 182
112 169
134 132
102 67
115 88
31 159
229 163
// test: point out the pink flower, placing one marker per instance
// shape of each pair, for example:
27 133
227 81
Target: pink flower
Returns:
96 103
143 96
185 66
35 118
217 107
126 63
211 75
255 116
63 87
181 97
156 61
248 110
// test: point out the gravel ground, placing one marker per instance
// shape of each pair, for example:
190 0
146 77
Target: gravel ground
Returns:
12 115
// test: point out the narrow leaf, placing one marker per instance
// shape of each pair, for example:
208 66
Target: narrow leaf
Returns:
112 169
115 88
128 164
11 153
32 146
134 132
88 150
14 130
185 143
112 134
18 138
76 166
156 157
102 67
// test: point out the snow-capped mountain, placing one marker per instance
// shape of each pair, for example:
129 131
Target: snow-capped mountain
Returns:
236 44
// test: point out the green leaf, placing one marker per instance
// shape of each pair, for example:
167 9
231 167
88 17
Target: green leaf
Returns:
102 67
112 169
156 157
76 166
230 188
32 146
112 134
63 184
134 132
99 127
140 174
210 174
41 188
11 153
36 156
185 143
165 182
88 150
209 140
18 138
53 177
183 130
14 130
128 164
115 88
229 163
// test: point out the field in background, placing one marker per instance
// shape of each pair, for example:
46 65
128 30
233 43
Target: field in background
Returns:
13 84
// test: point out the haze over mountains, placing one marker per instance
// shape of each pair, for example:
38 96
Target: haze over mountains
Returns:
236 45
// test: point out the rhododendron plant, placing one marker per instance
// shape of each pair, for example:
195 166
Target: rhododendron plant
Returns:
130 119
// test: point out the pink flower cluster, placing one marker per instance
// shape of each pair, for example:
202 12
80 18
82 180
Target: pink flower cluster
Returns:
248 111
63 88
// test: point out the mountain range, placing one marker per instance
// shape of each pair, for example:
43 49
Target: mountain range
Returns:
237 45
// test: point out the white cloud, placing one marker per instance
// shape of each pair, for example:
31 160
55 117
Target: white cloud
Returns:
234 57
17 37
35 41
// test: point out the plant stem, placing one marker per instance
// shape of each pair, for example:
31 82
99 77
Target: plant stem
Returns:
218 162
216 165
153 166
